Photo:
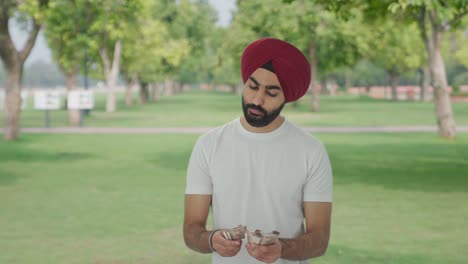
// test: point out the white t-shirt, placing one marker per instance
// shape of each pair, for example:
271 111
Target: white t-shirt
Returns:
259 179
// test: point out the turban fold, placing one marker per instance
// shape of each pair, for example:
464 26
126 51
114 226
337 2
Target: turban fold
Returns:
290 65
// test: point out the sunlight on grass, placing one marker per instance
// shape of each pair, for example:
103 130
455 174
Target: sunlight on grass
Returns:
398 198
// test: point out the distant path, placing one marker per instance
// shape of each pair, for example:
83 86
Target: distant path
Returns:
200 130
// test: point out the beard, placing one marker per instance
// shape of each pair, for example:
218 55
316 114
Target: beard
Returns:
260 120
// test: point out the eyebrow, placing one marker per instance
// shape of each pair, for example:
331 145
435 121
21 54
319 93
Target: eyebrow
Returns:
269 87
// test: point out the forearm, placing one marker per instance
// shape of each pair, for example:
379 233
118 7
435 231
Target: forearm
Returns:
304 247
196 238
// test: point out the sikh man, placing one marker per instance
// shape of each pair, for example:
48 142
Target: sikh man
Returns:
260 170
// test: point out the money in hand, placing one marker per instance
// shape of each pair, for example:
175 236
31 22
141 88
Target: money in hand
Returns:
235 233
258 237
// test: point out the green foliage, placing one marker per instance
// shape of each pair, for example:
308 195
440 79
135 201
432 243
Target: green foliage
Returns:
31 9
110 21
396 47
447 13
457 45
149 47
339 43
67 33
194 22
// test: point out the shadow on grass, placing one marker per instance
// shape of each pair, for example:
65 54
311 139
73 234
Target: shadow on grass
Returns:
343 254
28 155
174 160
417 167
8 177
20 152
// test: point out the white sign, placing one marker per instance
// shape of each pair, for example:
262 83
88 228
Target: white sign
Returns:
24 99
47 100
81 99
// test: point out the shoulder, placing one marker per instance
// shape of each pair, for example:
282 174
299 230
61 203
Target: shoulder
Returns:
304 138
209 138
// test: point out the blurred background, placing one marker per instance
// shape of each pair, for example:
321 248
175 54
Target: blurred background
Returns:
102 101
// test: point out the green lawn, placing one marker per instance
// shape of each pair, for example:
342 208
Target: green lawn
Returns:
399 198
198 108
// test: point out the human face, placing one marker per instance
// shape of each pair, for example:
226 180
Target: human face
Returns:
262 98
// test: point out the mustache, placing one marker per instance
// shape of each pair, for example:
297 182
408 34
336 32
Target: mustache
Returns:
256 107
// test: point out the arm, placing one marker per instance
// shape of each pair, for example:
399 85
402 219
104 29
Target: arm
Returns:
195 234
313 243
195 216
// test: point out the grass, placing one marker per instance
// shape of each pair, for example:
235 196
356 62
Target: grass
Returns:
398 198
206 109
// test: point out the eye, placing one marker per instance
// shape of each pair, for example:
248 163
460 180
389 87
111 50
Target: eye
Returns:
253 87
272 95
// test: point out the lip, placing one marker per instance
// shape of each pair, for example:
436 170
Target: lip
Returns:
255 112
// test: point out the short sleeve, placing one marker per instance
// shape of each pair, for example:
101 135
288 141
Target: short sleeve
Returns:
198 177
319 184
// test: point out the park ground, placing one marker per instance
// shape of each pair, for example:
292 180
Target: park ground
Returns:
64 198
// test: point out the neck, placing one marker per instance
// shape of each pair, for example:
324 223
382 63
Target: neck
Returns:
269 128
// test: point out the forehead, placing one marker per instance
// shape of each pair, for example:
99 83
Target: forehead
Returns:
265 77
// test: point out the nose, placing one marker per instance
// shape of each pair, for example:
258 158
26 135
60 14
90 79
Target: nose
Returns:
259 97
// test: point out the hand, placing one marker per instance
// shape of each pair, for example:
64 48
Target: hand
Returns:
267 254
223 246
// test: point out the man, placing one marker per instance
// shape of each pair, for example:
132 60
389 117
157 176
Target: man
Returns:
260 170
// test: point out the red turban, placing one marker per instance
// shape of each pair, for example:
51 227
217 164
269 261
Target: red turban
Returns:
290 65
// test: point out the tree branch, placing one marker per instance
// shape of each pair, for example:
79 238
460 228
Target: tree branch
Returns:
116 59
23 54
105 60
454 20
7 47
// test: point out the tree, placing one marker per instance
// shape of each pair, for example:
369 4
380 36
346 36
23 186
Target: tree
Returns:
197 19
110 21
66 33
396 48
32 12
434 18
151 49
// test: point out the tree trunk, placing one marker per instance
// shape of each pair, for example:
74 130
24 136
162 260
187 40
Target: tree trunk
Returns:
12 110
144 93
443 105
394 80
424 83
348 80
168 87
111 101
177 87
156 92
323 86
129 90
314 78
70 84
13 61
111 72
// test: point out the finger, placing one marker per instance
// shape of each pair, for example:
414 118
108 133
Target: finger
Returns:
252 249
261 252
229 252
229 243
